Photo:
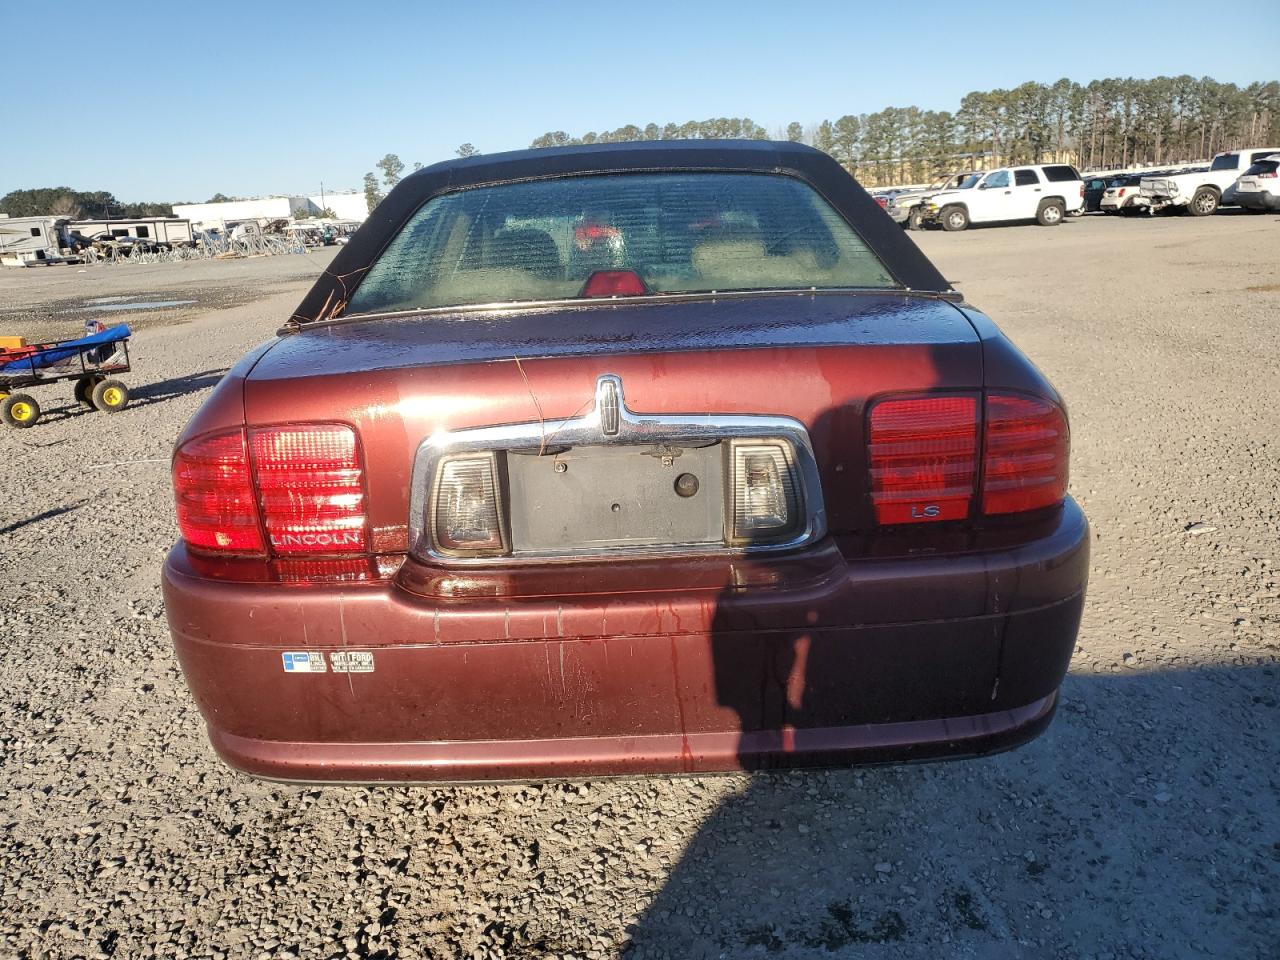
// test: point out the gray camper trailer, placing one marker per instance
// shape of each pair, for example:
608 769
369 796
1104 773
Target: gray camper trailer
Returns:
26 241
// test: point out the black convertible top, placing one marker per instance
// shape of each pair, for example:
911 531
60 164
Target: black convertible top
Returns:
886 239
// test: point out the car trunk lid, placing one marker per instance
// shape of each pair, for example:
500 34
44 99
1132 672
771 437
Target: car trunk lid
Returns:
814 358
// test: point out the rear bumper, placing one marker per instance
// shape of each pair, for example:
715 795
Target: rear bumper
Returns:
848 654
1257 200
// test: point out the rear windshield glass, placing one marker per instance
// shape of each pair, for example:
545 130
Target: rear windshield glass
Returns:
1060 173
679 233
1262 166
1228 161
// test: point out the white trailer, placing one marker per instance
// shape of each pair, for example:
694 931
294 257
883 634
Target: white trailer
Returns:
173 231
26 241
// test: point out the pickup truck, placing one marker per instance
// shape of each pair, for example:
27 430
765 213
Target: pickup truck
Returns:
907 206
1201 192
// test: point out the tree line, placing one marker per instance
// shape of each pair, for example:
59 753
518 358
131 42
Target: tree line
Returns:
77 204
1109 123
391 167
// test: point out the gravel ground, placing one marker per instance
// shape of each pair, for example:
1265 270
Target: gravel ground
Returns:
1144 824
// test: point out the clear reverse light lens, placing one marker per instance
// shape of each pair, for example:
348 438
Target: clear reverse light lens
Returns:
765 501
467 518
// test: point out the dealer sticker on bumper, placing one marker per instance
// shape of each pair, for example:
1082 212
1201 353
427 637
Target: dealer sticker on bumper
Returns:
304 662
351 661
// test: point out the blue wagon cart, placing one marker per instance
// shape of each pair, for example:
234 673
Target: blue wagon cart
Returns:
92 362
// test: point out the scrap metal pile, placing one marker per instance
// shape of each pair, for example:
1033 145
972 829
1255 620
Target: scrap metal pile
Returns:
209 245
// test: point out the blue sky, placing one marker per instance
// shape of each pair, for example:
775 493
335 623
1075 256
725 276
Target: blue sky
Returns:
178 100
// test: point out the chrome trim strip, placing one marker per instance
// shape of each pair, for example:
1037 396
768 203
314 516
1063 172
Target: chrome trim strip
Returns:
631 429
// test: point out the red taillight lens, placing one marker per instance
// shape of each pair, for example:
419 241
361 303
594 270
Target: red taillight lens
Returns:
614 283
310 487
214 494
923 458
1121 192
1025 460
1266 176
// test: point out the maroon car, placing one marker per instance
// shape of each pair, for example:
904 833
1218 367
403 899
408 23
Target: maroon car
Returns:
638 458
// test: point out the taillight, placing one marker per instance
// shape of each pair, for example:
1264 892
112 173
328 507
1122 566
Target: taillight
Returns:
310 487
1121 192
1025 460
214 494
303 485
1082 190
1266 176
924 456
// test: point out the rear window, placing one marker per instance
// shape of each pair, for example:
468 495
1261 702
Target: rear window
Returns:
1262 166
1057 173
1025 178
1228 161
680 233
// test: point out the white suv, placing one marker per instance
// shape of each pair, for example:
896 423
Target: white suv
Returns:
1043 192
1259 189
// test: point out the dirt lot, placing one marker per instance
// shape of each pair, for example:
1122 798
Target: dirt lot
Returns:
1144 824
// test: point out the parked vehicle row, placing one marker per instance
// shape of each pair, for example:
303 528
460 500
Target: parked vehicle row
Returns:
1201 192
1047 193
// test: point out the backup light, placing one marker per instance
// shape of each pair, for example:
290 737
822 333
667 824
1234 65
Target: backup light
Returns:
765 497
466 515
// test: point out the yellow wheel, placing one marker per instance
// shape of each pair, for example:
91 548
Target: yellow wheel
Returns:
19 410
110 396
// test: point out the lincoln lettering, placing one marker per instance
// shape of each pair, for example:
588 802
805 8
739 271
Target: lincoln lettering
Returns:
341 539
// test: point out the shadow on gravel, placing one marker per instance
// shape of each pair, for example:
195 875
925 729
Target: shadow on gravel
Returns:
1144 824
46 515
148 393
